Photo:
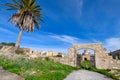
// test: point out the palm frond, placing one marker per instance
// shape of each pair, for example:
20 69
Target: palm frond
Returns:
27 15
12 6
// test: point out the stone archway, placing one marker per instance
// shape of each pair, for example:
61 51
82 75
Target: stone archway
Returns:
101 58
86 55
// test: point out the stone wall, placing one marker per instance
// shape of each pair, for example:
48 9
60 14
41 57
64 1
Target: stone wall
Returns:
8 51
63 60
72 57
7 48
114 63
34 54
51 53
11 49
25 50
102 59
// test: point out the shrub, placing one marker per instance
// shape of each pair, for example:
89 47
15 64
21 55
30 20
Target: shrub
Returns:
86 65
58 55
4 43
8 44
1 47
11 44
19 51
47 58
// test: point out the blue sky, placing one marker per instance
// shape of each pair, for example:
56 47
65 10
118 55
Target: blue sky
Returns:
68 22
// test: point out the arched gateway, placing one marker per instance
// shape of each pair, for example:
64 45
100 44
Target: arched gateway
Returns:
101 58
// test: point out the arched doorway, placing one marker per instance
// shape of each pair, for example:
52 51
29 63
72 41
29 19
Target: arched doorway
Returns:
85 54
101 58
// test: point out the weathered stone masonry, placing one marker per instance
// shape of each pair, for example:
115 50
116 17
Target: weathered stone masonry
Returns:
102 59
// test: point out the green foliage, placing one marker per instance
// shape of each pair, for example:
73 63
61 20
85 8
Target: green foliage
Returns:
47 58
11 44
58 55
7 44
86 65
36 69
1 47
19 51
28 14
118 70
4 43
105 72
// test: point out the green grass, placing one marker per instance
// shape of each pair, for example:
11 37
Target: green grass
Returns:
87 65
105 72
37 69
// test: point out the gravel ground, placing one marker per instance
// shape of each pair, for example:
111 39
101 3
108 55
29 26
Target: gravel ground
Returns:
86 75
5 75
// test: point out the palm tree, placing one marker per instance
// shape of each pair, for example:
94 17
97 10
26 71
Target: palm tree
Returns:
27 15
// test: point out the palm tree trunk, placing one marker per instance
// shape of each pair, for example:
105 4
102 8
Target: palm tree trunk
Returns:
18 40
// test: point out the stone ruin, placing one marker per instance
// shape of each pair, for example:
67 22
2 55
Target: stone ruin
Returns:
8 51
7 48
26 52
101 59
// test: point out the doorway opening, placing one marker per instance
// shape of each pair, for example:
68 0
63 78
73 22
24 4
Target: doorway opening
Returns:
86 54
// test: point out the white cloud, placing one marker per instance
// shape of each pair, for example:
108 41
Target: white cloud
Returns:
112 44
80 5
6 31
47 42
66 38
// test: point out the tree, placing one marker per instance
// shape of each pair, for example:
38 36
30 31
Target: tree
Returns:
86 65
28 14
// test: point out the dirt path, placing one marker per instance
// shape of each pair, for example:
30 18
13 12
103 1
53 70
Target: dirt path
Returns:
5 75
86 75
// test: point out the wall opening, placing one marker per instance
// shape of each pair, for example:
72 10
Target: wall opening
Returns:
85 59
86 54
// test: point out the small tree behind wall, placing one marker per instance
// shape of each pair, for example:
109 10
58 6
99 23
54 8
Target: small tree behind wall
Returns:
86 65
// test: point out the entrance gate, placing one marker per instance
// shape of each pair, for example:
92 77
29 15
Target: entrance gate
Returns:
101 60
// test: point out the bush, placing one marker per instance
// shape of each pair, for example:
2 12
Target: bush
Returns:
58 55
86 65
47 58
8 44
19 51
11 44
4 43
1 47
